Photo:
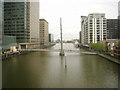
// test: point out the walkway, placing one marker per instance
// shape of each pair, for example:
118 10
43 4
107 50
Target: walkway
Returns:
58 50
110 58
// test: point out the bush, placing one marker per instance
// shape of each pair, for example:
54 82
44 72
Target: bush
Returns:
98 46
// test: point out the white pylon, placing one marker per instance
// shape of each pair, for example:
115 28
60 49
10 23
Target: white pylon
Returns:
61 52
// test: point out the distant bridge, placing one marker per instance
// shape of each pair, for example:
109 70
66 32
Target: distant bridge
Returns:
58 50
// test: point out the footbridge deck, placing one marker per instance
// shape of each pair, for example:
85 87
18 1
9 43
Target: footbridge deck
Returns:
58 50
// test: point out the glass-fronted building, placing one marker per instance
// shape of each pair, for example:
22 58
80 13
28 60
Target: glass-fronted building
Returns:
119 8
112 29
16 21
1 20
119 20
9 41
21 19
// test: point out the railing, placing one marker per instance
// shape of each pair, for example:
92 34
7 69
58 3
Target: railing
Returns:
58 50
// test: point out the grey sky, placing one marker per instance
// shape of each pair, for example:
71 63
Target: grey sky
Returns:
70 11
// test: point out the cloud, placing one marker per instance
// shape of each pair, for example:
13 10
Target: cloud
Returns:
71 11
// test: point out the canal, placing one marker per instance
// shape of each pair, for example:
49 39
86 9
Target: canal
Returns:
47 70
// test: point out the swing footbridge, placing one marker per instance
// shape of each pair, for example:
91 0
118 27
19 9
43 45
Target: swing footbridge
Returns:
58 50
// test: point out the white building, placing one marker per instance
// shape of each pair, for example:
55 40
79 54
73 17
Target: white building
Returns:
97 27
94 28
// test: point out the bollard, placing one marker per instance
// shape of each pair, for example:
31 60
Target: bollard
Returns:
65 62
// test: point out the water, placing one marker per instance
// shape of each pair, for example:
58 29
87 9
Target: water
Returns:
47 70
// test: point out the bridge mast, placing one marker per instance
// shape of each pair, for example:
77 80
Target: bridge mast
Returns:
61 52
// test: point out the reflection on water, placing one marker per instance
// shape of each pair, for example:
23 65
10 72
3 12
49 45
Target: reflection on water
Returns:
65 46
47 70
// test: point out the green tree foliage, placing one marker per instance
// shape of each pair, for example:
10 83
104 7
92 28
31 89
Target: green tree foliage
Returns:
98 46
69 41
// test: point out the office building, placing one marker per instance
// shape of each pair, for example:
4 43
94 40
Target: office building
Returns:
112 29
51 38
93 28
1 27
21 19
9 41
80 37
84 29
119 9
119 28
97 27
119 20
44 38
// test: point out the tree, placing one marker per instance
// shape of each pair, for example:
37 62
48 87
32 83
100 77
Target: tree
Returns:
100 46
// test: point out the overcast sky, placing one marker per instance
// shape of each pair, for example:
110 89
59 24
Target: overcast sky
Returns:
70 11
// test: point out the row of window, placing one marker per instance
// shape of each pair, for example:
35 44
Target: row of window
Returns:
13 31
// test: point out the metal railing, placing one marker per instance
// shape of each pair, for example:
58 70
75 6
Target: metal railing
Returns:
58 50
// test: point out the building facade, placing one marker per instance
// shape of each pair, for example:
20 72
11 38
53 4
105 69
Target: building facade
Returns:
1 27
9 41
51 38
112 29
44 35
119 20
21 19
80 37
93 28
84 29
97 27
119 8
